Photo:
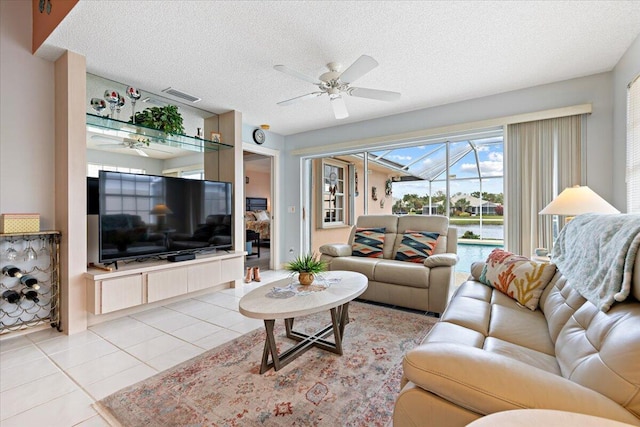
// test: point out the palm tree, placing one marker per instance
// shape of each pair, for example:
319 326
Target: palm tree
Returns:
462 204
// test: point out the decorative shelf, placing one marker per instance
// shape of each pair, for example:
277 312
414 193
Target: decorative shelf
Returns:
128 131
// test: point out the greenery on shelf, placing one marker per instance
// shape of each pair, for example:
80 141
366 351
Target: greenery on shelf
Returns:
167 119
306 264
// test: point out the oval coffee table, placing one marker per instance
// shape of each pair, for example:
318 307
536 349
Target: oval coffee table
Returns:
263 303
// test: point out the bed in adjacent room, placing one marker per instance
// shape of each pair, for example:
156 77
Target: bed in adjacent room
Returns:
257 218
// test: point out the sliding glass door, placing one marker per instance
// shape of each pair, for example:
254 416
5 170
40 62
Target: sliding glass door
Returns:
460 177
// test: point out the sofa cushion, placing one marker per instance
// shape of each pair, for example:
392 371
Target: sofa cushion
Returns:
470 313
517 276
522 327
416 246
600 351
402 273
530 357
452 333
368 242
361 265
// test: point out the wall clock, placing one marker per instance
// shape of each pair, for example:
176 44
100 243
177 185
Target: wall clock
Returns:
258 136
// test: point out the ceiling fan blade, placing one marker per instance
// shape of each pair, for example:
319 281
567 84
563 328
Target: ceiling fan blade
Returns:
296 74
381 95
140 152
339 107
362 66
300 98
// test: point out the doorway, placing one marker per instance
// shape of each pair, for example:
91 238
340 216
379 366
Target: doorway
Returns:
259 208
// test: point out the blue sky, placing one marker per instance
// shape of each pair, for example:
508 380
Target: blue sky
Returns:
429 160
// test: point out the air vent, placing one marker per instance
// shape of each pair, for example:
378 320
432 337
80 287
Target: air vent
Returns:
181 95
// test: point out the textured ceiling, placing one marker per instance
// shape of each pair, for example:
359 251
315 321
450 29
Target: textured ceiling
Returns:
433 52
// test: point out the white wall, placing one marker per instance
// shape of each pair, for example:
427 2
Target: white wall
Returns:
594 89
627 68
27 182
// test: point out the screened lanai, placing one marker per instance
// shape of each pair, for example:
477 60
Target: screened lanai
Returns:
464 175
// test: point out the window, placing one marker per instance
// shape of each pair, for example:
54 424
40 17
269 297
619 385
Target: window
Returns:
333 194
134 195
196 174
633 146
94 168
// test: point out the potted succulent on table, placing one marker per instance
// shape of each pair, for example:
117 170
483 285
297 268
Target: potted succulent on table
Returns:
307 266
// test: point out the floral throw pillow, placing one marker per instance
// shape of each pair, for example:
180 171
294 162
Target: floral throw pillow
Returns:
517 276
416 246
368 242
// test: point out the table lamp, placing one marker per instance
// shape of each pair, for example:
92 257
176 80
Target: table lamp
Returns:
577 200
161 211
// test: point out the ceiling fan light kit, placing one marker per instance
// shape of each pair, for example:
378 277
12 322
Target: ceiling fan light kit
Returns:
335 83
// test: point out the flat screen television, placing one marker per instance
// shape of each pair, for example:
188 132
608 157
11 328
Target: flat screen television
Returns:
143 216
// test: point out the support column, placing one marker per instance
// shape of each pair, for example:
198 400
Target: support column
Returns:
226 165
70 177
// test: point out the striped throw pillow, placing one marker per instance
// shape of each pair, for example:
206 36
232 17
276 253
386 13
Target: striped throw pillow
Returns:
416 246
368 242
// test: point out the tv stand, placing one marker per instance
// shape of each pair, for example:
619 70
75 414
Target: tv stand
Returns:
138 284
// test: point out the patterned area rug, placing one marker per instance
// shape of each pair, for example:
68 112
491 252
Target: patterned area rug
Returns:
223 387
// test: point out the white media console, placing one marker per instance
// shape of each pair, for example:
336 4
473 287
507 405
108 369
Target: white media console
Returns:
137 284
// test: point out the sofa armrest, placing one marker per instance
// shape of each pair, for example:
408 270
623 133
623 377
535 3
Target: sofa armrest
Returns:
486 383
336 249
441 260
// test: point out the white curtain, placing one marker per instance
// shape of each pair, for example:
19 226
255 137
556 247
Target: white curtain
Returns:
542 159
633 146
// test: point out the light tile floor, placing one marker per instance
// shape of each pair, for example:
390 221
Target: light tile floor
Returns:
51 379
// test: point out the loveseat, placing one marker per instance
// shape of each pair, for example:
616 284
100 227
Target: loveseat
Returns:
488 353
394 259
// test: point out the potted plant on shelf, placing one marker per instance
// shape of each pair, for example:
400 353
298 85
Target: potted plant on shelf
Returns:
307 266
167 119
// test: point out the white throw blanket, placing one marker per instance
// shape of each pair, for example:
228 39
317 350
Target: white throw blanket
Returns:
596 254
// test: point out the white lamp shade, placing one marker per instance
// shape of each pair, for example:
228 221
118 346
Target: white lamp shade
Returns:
578 200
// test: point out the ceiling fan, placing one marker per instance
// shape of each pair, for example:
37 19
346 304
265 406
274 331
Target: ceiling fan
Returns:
133 144
336 83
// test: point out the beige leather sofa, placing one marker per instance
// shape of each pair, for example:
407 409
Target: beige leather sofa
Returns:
421 286
487 355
